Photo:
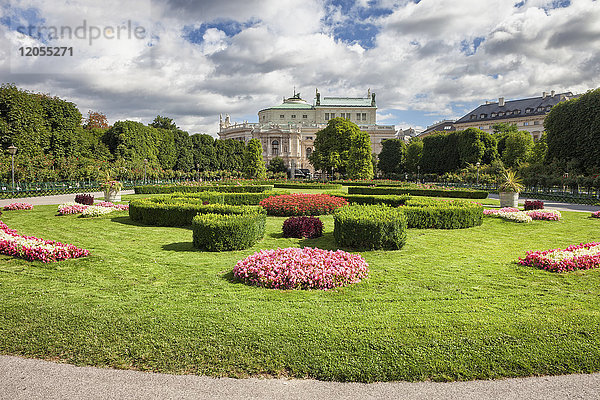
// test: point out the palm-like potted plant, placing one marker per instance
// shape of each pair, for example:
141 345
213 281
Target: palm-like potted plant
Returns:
509 189
111 188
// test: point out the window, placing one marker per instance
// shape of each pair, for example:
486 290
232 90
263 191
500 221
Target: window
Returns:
332 115
540 108
326 116
482 116
501 114
493 115
293 116
308 151
358 116
528 110
282 116
304 116
509 113
548 108
536 122
264 117
525 123
364 116
309 138
275 147
473 116
447 127
285 149
516 112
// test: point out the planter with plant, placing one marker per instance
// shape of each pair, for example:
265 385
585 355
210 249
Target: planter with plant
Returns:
509 189
111 188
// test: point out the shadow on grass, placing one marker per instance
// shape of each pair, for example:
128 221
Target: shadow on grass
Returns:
180 246
228 276
125 220
276 235
325 242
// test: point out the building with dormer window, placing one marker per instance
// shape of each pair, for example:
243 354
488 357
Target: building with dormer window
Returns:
288 130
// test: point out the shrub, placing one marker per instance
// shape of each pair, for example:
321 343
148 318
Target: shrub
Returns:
534 205
581 256
370 227
310 185
166 189
442 214
302 204
307 268
420 191
302 227
390 200
18 206
85 199
234 199
225 232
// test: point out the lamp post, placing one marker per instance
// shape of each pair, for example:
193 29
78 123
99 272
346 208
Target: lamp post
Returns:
145 165
418 173
478 165
13 150
198 172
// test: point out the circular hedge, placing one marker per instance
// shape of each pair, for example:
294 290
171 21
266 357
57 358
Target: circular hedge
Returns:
307 268
370 227
302 204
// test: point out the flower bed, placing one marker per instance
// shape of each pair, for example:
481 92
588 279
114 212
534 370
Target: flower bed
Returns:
544 215
120 207
18 206
581 256
96 211
533 205
596 214
302 227
307 268
302 204
35 249
514 214
85 199
494 212
70 208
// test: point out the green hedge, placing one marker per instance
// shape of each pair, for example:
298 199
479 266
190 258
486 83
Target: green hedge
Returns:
225 232
468 194
234 199
436 214
390 200
370 227
165 189
312 185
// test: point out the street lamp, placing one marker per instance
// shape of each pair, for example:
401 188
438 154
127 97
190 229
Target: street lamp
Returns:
478 165
145 165
13 150
418 172
198 172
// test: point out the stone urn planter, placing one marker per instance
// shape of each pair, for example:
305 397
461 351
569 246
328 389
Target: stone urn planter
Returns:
509 199
112 195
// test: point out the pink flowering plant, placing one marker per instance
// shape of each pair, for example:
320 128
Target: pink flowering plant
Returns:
120 207
18 206
302 227
307 268
35 249
103 207
514 214
596 214
286 205
544 215
580 256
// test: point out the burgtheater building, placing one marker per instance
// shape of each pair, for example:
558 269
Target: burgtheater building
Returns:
288 130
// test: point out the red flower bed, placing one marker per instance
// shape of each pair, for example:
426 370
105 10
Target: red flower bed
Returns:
533 205
579 256
303 227
287 205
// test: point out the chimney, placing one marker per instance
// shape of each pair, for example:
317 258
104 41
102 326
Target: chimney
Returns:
544 94
501 102
552 93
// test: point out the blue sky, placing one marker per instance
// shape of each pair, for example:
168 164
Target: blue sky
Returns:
427 60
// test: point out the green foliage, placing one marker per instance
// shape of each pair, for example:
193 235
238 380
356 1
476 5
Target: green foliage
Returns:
418 191
539 151
511 182
392 156
517 149
414 153
360 164
254 165
573 132
229 155
308 185
476 146
277 165
436 214
370 227
504 128
389 200
163 189
440 153
226 232
204 152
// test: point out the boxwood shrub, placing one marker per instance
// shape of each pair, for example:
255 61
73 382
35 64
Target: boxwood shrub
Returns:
370 227
440 214
235 199
390 200
462 193
164 189
309 185
225 232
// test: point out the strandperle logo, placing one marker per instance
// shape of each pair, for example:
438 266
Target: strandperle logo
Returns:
85 31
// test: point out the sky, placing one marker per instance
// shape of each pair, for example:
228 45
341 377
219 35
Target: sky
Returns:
426 60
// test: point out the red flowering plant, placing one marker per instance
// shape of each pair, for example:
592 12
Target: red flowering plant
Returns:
303 227
596 214
302 204
18 206
307 268
580 256
533 205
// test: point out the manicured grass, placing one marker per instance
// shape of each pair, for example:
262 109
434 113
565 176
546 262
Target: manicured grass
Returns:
451 305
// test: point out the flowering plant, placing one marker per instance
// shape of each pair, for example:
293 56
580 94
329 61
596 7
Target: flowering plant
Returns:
96 211
86 199
120 207
302 204
35 249
70 208
596 214
581 256
494 212
513 214
533 205
75 208
109 184
307 268
18 206
299 227
546 215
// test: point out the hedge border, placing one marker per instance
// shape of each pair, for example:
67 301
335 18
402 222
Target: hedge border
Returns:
468 194
390 200
166 189
226 232
312 185
436 214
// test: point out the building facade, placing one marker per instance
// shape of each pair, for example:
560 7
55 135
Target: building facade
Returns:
288 130
446 125
528 114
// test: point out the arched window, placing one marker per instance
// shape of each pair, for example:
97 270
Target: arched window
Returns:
308 151
275 147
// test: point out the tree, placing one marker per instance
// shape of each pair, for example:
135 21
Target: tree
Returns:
518 148
203 152
254 165
95 120
440 153
360 164
277 165
414 151
392 156
539 151
476 146
164 123
504 128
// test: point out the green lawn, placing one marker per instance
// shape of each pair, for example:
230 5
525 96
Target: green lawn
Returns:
451 305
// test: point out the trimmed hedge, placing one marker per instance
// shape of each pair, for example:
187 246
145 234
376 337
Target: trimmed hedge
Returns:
226 232
390 200
234 199
468 194
370 227
165 189
312 185
439 214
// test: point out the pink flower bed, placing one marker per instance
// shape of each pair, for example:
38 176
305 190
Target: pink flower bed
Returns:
18 206
35 249
121 207
580 256
500 210
596 214
67 209
307 268
544 215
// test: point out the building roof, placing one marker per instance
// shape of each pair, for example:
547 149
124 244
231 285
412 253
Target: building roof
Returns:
291 106
446 125
345 102
502 110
